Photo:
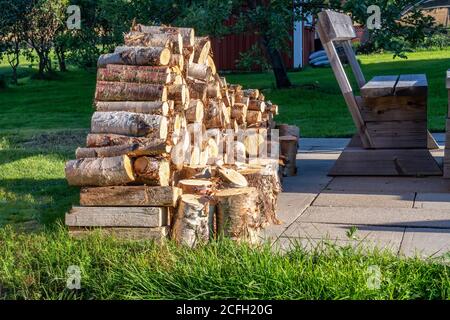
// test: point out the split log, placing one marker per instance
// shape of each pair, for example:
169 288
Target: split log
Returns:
199 71
237 214
191 221
239 113
257 105
194 113
178 153
288 149
197 89
177 60
213 115
117 217
196 172
251 93
152 171
231 178
125 196
149 107
141 39
211 65
186 33
213 90
137 74
196 186
99 171
252 140
129 123
177 93
267 182
143 56
202 46
124 91
253 117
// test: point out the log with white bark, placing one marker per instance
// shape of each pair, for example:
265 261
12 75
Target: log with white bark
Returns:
194 112
238 214
129 91
126 196
251 93
100 171
152 171
267 182
257 105
143 56
199 71
178 93
253 117
149 148
213 115
202 46
149 107
139 74
190 225
95 140
141 39
130 123
187 34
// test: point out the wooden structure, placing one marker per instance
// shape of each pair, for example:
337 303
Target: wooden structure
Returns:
390 116
447 133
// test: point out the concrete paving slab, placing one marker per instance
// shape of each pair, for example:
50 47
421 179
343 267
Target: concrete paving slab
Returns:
290 207
388 217
323 144
284 244
432 201
343 199
425 242
386 185
343 232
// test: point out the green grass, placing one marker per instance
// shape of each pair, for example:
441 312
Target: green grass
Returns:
34 267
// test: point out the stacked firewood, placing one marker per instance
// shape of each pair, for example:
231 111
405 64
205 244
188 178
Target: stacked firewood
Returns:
173 147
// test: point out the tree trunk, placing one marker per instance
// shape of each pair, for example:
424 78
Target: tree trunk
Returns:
281 77
61 56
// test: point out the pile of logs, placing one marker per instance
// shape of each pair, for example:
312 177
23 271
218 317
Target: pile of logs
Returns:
174 149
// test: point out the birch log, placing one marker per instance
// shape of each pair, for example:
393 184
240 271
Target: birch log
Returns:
202 46
237 214
196 186
152 171
191 221
124 91
139 74
142 56
199 71
150 147
141 39
129 123
194 113
186 33
99 171
149 107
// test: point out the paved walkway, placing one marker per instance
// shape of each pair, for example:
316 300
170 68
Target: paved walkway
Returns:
407 215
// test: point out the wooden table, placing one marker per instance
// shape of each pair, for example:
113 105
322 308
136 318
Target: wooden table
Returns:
394 110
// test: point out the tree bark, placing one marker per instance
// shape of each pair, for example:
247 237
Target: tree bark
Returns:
152 171
148 107
124 91
276 61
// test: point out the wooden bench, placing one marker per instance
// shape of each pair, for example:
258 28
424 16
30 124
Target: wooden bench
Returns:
447 133
390 115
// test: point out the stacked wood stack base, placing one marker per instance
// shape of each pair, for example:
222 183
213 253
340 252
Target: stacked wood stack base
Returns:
174 150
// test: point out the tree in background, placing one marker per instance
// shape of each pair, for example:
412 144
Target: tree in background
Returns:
13 22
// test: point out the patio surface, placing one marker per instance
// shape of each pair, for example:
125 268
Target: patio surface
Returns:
408 215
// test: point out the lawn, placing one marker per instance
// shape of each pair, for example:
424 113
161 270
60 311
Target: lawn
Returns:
42 123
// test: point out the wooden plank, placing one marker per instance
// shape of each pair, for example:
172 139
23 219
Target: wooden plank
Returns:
156 233
336 26
130 196
345 87
394 108
398 134
379 86
117 217
412 85
385 162
356 68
